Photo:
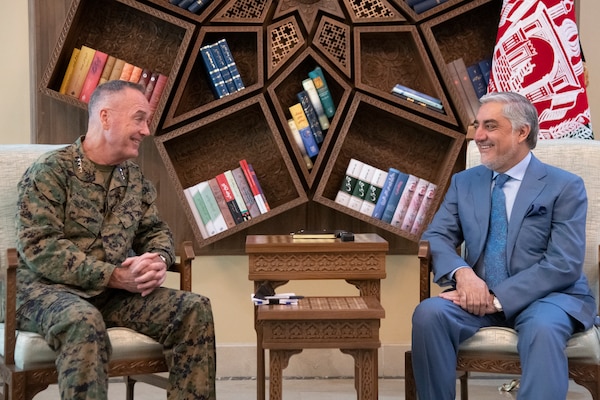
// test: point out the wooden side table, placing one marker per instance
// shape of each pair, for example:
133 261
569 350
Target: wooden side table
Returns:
349 323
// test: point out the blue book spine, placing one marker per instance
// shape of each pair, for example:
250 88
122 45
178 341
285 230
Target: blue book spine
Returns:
311 116
312 149
399 89
427 5
486 70
198 5
233 69
323 90
218 84
185 3
390 207
223 69
386 191
477 79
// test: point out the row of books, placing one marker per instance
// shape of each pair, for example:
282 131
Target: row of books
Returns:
414 96
310 116
221 69
471 82
392 196
420 6
226 200
88 68
194 6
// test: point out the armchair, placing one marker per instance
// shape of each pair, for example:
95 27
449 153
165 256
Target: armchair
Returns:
26 361
494 349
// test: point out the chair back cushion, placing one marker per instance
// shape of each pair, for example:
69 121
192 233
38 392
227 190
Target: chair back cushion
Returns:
581 157
14 160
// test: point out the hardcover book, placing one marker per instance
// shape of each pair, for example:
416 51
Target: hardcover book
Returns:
217 83
461 70
229 199
373 191
461 91
237 195
151 84
223 68
198 5
256 191
311 116
360 189
300 143
233 69
126 71
145 78
392 203
404 202
486 67
69 71
117 70
196 214
419 222
423 6
214 212
477 80
312 149
108 67
245 191
80 70
159 86
93 76
136 74
311 90
419 102
257 183
409 92
386 191
203 211
413 207
349 183
214 188
318 79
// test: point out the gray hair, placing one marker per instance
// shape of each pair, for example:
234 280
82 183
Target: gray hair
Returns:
109 88
519 111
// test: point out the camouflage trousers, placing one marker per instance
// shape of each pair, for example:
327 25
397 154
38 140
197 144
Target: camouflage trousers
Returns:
76 328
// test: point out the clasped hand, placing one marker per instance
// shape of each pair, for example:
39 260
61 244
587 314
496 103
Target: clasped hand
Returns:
140 274
472 293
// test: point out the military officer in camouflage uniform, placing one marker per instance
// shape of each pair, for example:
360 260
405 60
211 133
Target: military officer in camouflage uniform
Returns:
94 253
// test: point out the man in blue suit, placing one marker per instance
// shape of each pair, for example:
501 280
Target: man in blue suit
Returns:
543 294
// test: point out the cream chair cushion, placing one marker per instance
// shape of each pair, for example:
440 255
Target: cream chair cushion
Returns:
581 157
32 350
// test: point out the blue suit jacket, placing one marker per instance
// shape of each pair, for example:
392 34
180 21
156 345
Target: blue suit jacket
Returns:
546 238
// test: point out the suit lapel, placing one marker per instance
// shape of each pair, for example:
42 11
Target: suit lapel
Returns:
530 189
481 199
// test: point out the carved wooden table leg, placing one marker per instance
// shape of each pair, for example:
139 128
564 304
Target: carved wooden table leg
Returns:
366 376
278 361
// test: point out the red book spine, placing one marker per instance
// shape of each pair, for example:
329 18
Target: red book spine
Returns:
159 86
93 76
229 198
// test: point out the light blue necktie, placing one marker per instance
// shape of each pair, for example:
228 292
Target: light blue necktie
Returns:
494 257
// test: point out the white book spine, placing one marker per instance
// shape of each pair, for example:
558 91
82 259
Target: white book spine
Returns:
347 186
407 193
373 192
362 184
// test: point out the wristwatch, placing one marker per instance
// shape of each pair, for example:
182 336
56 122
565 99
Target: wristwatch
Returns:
497 304
164 259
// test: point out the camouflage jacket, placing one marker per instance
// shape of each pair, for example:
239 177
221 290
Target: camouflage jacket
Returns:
72 233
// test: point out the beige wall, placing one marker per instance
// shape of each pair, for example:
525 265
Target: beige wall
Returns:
224 279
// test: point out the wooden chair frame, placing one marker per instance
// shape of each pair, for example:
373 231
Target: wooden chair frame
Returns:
24 384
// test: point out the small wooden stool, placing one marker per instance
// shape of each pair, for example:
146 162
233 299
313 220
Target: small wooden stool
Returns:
348 323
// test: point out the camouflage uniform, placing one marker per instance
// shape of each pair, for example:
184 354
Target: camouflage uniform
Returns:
72 234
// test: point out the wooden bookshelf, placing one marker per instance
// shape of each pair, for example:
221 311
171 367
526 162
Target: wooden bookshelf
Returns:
363 49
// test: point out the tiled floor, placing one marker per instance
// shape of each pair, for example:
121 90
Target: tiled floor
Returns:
316 389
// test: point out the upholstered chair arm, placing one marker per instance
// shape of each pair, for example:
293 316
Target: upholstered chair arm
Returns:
10 302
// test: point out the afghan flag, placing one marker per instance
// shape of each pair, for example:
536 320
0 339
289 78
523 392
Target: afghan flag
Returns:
538 54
